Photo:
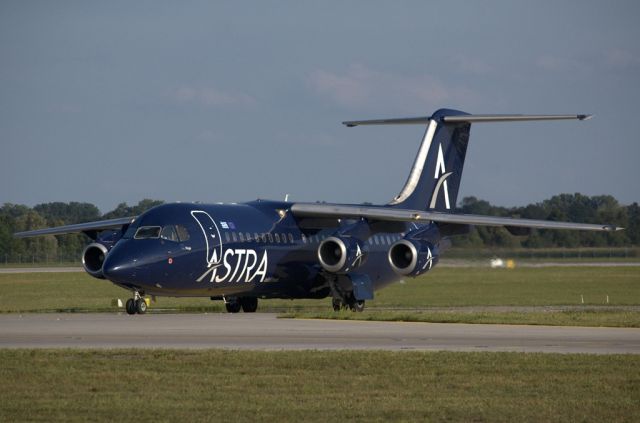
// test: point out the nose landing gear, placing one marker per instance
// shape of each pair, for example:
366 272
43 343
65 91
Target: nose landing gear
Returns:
137 304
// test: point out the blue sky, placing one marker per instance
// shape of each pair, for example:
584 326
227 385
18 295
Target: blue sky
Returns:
108 102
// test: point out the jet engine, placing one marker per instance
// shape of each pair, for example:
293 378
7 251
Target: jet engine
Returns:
338 255
92 259
410 257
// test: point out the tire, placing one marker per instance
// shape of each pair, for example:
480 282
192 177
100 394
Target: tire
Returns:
130 306
233 307
337 304
358 306
249 304
141 306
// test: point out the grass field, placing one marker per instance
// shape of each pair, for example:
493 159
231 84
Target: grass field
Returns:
76 385
591 318
442 288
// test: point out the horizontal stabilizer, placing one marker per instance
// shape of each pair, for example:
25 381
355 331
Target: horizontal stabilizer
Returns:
465 118
101 225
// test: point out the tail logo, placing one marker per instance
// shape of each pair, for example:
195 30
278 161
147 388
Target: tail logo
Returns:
441 175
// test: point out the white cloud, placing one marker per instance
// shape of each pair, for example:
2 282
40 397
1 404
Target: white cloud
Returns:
209 96
560 64
363 88
618 58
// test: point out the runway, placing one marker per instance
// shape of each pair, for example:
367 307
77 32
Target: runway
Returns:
264 331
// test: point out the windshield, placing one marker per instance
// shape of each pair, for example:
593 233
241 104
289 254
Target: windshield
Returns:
146 232
174 233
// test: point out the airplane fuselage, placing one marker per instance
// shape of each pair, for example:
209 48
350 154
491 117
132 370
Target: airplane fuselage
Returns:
253 249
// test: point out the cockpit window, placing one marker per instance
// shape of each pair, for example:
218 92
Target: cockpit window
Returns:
175 233
169 233
183 233
147 232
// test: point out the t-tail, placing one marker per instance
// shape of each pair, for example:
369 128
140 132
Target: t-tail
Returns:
434 180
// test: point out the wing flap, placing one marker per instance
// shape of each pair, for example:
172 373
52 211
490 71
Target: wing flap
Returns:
100 225
340 211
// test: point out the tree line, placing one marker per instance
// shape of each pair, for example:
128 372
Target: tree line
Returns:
17 218
563 207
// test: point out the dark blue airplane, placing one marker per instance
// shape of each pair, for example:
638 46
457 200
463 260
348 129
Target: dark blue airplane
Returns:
278 249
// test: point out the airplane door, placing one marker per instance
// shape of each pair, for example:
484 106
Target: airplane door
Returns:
211 233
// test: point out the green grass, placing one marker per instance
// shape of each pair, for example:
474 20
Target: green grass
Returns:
214 385
445 287
41 264
592 318
442 288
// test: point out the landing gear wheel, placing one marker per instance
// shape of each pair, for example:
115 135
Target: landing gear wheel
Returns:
249 304
131 306
141 306
358 306
233 307
337 304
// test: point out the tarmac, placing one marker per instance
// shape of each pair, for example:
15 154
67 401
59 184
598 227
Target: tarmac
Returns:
265 331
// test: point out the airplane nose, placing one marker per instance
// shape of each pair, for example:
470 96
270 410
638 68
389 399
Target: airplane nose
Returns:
117 267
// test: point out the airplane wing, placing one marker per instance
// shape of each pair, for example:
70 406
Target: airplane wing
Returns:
339 211
88 227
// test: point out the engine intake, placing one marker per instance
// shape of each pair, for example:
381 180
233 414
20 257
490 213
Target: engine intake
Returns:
340 254
93 258
411 257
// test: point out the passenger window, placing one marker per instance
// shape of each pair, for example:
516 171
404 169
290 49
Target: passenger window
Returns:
277 238
233 236
241 237
284 238
147 232
256 237
227 237
248 236
290 238
304 239
270 237
169 233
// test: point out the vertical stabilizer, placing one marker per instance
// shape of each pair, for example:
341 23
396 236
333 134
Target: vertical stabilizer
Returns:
435 176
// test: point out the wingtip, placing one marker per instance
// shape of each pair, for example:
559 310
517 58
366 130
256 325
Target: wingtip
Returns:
612 228
584 117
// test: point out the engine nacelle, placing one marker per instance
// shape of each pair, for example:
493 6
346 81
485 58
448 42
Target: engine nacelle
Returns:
92 259
338 255
409 257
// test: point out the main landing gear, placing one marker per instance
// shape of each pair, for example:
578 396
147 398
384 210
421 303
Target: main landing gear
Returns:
350 303
137 304
247 304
